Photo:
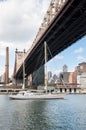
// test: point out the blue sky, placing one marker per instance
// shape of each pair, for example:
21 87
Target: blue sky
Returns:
19 23
71 56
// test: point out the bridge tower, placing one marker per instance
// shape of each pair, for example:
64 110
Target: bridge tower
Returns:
19 57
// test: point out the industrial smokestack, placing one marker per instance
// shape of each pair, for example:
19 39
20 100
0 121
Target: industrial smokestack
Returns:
7 66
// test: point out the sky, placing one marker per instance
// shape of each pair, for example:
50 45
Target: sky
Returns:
71 57
19 24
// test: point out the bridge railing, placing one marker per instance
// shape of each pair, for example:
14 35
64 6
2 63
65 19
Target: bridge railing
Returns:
53 10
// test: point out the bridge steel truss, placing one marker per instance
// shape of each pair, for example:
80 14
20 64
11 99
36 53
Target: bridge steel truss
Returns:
65 27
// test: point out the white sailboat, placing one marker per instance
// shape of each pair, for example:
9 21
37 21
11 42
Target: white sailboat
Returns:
30 95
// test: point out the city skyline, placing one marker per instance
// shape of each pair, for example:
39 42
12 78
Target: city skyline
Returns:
19 24
71 56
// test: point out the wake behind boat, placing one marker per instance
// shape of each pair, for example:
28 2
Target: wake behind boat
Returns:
28 95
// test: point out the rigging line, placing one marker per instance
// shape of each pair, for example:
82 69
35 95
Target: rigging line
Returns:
55 64
49 50
63 82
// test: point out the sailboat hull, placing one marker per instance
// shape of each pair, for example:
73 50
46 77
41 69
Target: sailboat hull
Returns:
37 97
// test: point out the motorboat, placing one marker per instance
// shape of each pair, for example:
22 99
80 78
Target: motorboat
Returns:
29 95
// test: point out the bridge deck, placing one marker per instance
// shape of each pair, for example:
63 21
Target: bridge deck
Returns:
66 28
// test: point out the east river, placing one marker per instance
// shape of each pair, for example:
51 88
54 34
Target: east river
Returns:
67 114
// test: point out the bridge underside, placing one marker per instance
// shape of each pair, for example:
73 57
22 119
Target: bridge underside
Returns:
66 28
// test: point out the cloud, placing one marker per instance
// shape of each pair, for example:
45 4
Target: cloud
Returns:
20 20
79 50
81 58
57 72
11 46
2 71
2 52
19 23
59 57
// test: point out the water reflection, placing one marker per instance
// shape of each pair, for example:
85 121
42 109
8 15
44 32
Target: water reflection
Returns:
31 115
69 114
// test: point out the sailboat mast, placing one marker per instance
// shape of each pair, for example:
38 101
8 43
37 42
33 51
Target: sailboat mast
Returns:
23 86
45 52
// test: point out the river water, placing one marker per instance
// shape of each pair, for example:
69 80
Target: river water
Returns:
67 114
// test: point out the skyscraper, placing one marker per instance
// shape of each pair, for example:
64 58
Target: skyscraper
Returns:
49 75
65 68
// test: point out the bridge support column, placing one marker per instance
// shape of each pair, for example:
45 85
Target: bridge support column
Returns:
63 90
77 90
27 84
67 90
72 90
58 90
19 82
29 81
